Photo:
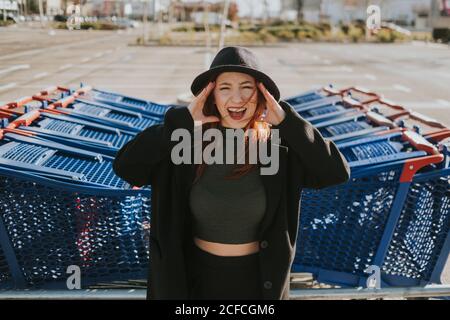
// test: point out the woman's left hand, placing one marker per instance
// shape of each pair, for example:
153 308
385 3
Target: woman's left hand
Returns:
274 112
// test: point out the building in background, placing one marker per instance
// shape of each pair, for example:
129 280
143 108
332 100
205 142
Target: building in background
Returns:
104 8
54 7
8 8
193 11
403 12
291 9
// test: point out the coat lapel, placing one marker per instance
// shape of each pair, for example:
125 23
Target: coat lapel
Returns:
273 184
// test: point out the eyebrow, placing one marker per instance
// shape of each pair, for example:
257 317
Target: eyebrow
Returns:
227 83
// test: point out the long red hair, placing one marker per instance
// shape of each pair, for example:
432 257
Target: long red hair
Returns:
261 132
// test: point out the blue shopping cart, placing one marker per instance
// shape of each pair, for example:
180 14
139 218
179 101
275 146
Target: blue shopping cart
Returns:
360 94
313 95
90 111
354 126
369 123
23 105
316 113
5 275
386 108
47 125
329 95
420 123
145 107
104 114
347 228
62 207
53 93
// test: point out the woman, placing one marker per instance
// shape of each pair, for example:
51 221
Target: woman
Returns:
227 231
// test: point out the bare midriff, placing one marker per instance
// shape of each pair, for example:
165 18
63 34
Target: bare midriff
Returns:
224 249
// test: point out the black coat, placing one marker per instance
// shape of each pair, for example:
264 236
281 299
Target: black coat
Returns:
307 160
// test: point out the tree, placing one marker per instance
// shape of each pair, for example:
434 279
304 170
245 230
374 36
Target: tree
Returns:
299 10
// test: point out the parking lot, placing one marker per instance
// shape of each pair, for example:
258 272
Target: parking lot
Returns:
413 74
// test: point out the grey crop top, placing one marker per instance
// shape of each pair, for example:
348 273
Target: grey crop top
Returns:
227 211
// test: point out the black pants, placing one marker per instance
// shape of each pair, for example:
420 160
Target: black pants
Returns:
218 277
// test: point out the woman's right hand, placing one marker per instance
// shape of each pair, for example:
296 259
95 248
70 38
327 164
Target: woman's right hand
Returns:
197 104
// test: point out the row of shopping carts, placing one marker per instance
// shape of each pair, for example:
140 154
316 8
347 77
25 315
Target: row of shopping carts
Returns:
394 213
62 205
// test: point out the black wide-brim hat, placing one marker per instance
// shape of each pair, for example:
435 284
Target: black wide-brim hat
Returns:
235 59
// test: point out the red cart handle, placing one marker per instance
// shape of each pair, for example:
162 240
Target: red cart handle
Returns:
400 110
331 91
390 103
53 111
419 142
427 120
439 136
51 90
83 91
24 120
9 108
23 101
360 90
411 166
379 119
20 102
349 101
21 132
62 103
431 126
4 114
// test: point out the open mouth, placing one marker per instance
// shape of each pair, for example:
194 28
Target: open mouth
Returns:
236 113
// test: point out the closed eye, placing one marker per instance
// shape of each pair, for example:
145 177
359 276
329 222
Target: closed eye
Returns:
251 88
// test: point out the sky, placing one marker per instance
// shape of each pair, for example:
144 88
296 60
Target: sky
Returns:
246 7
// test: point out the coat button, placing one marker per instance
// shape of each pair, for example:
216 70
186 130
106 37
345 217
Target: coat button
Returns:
268 285
264 244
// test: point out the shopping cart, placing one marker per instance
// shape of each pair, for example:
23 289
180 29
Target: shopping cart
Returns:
47 125
20 151
52 94
5 274
23 105
61 207
386 108
345 229
145 107
368 123
312 95
354 126
104 114
420 123
316 113
360 94
99 113
330 95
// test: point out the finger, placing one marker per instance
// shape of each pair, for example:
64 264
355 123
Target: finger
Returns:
198 98
198 102
206 91
266 93
271 102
